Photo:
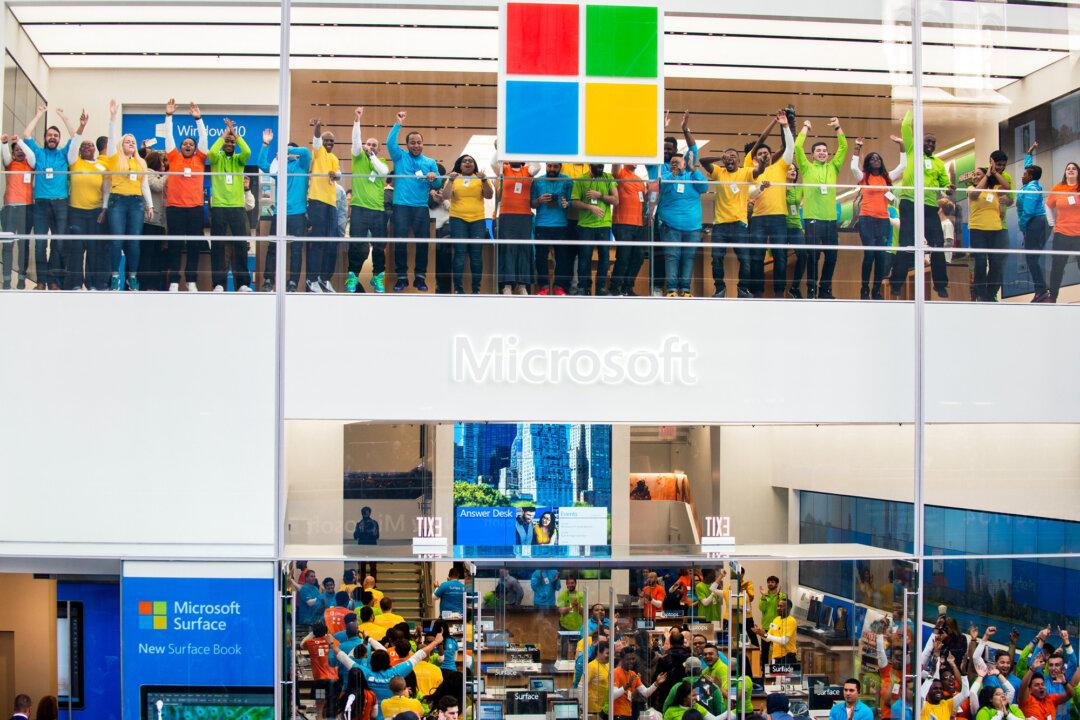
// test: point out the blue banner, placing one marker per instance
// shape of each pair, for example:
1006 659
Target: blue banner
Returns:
250 127
197 647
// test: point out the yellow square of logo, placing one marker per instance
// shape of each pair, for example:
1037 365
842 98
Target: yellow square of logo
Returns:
160 622
620 119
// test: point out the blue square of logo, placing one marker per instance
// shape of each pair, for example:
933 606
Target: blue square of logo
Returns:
541 117
146 622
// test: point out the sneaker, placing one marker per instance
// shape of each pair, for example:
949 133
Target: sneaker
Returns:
559 291
351 283
1041 297
507 290
291 286
794 293
721 291
543 291
745 294
864 293
132 282
377 283
657 292
602 291
685 293
218 288
267 286
671 293
942 291
174 287
629 293
244 288
313 286
401 284
419 284
326 286
875 294
826 295
522 290
20 283
192 287
114 282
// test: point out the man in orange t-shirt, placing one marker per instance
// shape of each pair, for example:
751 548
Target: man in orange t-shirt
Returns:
18 213
319 644
628 225
652 596
334 617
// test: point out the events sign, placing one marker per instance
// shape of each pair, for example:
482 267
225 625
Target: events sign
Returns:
197 640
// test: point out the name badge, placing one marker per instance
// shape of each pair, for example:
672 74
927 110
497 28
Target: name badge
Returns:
26 178
679 187
640 196
896 689
889 196
466 182
517 188
48 174
1072 199
133 177
988 197
592 201
228 179
734 189
793 209
928 163
824 190
371 177
187 172
99 166
418 173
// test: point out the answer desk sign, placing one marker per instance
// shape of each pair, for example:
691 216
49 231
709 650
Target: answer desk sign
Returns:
429 540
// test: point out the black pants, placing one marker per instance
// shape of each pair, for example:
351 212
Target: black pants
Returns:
584 253
564 257
50 216
295 228
153 260
657 257
820 232
1035 235
874 233
225 222
444 260
988 267
628 258
16 219
905 261
1057 268
363 223
184 221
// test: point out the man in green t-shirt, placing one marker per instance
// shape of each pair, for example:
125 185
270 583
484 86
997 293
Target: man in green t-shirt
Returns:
227 158
771 596
935 177
570 603
819 173
708 598
368 218
594 196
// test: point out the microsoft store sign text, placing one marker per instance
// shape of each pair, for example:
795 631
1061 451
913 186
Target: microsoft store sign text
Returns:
505 359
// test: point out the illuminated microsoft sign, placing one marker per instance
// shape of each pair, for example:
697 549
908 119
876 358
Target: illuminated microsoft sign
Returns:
502 359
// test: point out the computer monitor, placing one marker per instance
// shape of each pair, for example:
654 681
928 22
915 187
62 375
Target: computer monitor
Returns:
542 683
825 617
184 701
526 705
565 710
491 710
812 611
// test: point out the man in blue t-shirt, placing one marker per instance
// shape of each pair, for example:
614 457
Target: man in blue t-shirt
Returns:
451 593
415 176
50 196
551 197
296 187
310 603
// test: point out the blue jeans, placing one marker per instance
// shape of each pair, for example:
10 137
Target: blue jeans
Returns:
874 232
731 232
321 256
465 230
770 229
125 217
49 215
679 261
409 220
1035 235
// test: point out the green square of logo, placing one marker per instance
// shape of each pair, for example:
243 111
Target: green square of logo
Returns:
621 41
160 607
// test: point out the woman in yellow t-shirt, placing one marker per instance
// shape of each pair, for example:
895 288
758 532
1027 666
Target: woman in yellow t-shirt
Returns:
467 190
984 223
128 203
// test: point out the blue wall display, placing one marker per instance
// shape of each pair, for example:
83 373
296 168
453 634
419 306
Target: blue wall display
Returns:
197 645
100 666
250 127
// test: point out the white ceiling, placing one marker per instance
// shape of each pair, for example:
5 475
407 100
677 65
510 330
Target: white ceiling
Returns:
969 45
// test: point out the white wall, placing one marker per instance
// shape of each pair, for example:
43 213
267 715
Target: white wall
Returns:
18 43
147 90
137 424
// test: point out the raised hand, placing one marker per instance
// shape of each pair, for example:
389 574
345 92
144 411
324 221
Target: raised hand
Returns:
781 118
1064 635
858 143
41 109
834 122
806 125
230 126
685 119
897 139
401 117
667 118
114 107
83 118
170 106
358 113
989 632
268 136
195 111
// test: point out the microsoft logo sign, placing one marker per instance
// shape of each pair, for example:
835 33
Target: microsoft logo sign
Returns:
153 615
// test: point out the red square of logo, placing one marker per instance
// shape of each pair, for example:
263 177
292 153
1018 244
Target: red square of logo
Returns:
541 39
